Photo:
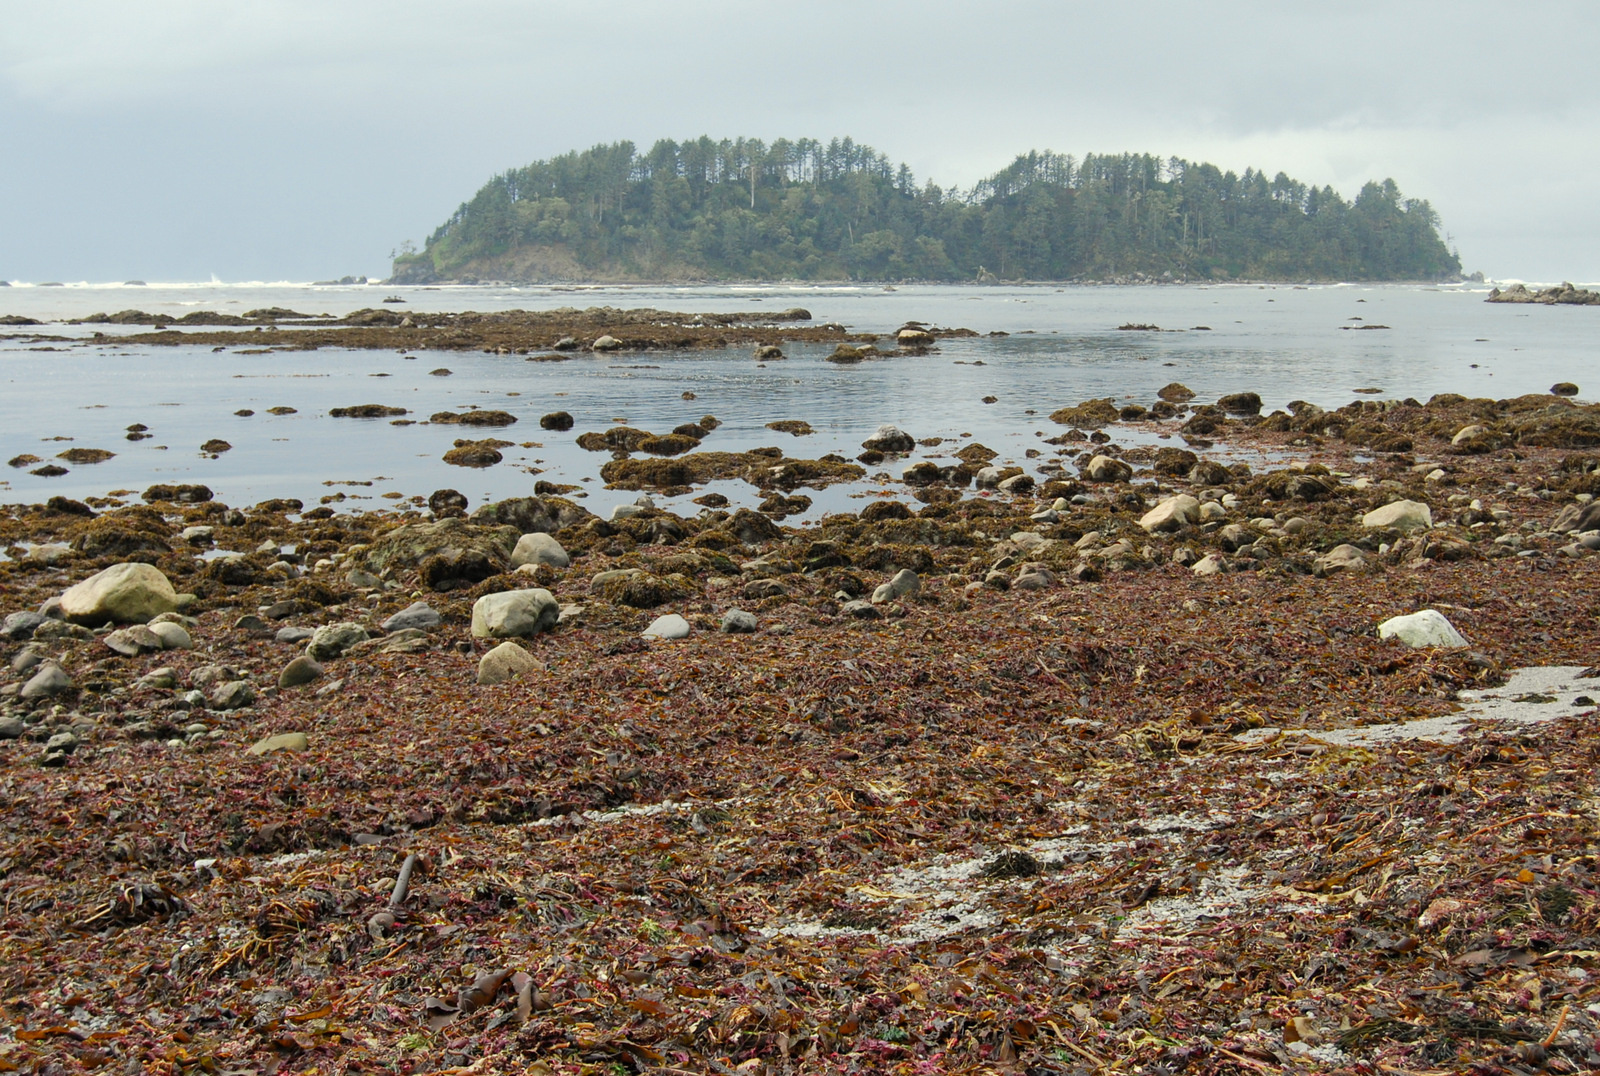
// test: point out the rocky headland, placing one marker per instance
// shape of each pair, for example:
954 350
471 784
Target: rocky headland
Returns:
1141 758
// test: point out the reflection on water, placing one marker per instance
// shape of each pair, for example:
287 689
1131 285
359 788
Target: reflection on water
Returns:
1063 347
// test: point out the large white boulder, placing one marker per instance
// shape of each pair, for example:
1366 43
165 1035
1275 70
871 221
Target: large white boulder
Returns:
1406 515
670 626
125 593
539 549
513 614
1427 628
1171 514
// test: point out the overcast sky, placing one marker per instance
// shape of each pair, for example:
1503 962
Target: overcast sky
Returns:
294 140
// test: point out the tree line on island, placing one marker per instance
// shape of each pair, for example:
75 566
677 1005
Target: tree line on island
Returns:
807 210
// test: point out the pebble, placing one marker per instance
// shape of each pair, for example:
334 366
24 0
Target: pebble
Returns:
25 660
251 623
1210 564
293 634
860 610
12 728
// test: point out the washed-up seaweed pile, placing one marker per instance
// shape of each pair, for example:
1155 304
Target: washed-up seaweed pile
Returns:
983 826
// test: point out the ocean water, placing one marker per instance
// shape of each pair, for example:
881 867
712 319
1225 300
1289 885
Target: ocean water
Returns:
1064 346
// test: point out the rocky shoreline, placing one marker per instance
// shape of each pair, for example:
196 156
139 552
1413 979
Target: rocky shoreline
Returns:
1564 295
977 778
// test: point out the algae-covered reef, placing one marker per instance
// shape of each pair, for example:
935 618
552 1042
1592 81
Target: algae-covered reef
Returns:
809 210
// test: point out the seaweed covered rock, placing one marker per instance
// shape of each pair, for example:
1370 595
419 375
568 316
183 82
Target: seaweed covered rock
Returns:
532 515
473 418
131 533
1240 403
475 453
616 439
556 420
408 546
1090 414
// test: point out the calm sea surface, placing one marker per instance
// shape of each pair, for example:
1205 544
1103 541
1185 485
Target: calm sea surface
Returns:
1281 341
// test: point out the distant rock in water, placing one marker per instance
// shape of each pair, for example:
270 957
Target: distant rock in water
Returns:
1565 295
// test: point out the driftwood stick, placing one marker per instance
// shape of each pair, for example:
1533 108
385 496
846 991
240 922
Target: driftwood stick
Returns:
402 884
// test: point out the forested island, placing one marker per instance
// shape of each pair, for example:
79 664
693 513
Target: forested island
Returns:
807 210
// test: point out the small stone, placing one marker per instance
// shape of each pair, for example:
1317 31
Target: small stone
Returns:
1426 628
1034 578
1017 484
1108 469
281 610
61 741
49 680
60 629
172 636
233 695
860 610
1210 564
284 741
905 582
164 677
131 642
20 625
506 662
416 615
1341 558
26 659
1234 537
363 580
293 635
607 343
738 622
1171 514
669 626
250 623
539 549
12 728
332 640
302 670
